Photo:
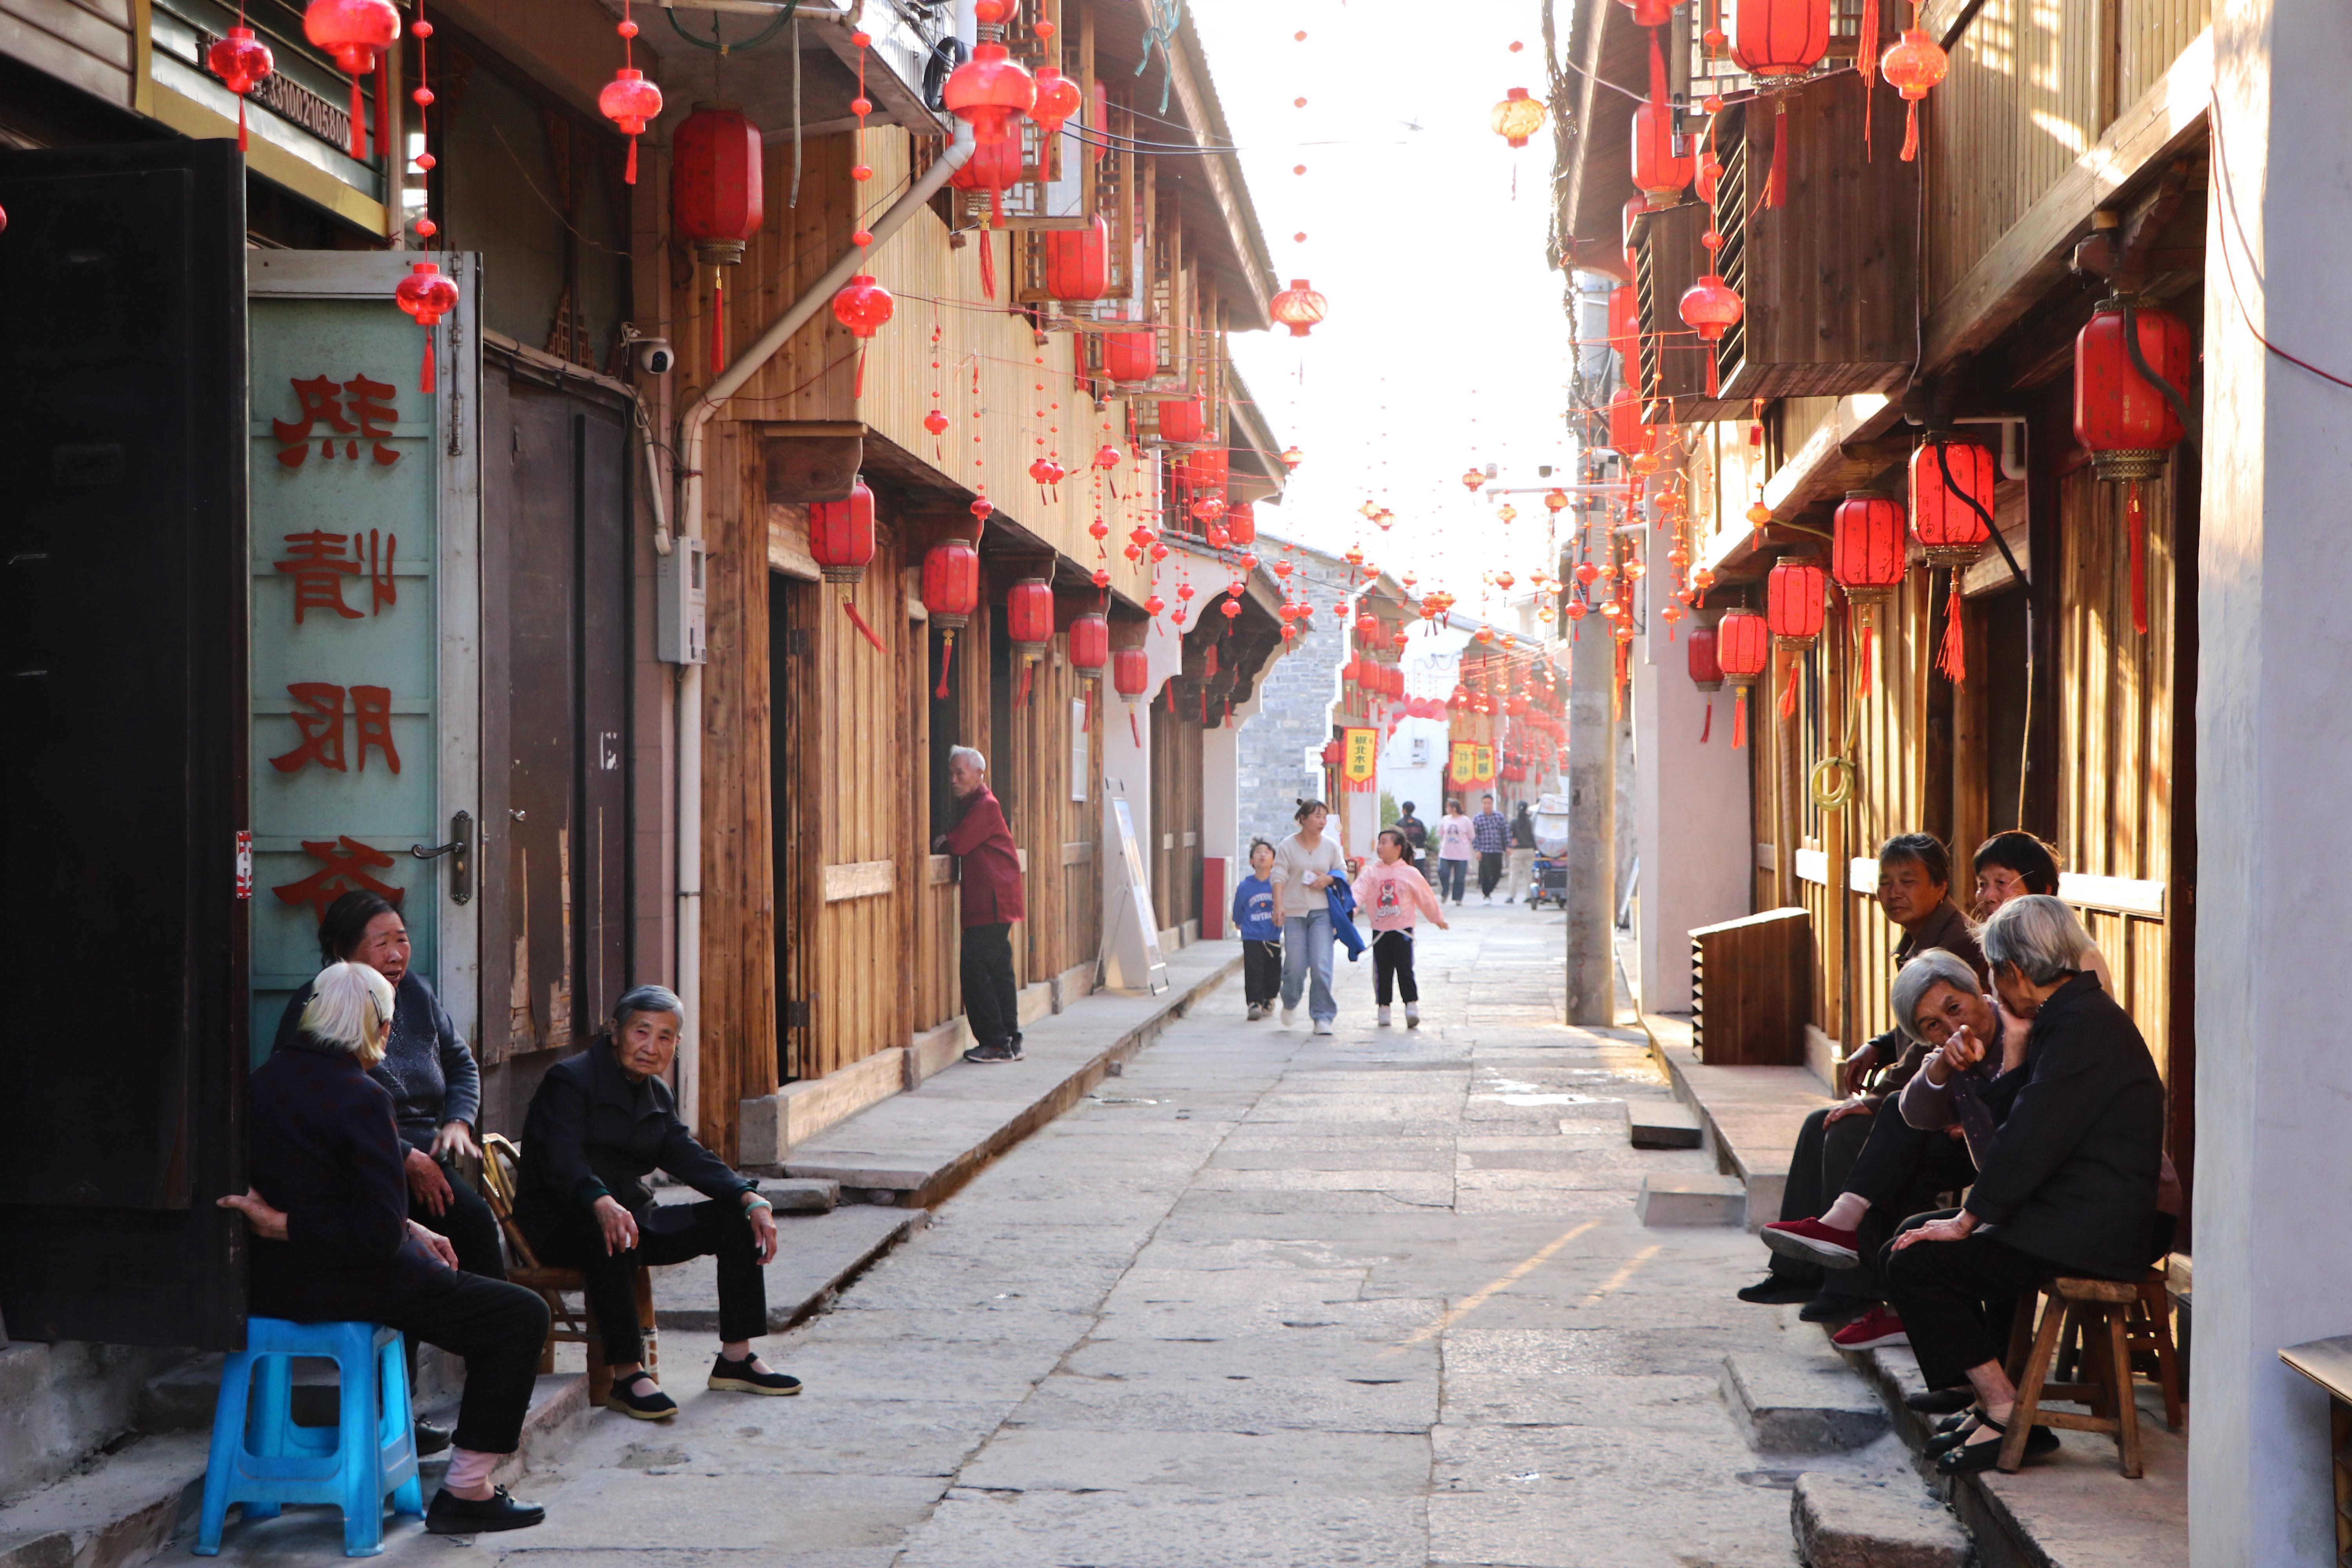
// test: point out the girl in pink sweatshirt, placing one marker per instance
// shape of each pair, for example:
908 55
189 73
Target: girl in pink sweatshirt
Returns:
1391 892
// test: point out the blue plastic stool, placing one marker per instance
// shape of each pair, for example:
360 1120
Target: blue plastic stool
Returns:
262 1459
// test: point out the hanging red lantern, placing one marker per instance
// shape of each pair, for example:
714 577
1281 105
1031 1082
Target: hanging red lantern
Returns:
1130 672
1241 522
1648 13
1624 322
1950 522
2128 424
631 103
1711 307
1130 356
354 32
717 199
1047 472
1794 599
1518 117
1058 98
427 296
1699 659
1108 456
1208 469
1077 262
1866 557
1780 38
242 62
1743 652
1089 652
951 595
1183 422
1291 458
1299 307
865 307
1029 624
1658 172
1368 629
991 92
841 541
1911 66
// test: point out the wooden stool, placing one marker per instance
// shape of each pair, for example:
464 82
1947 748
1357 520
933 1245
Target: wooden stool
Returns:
501 1159
2098 1311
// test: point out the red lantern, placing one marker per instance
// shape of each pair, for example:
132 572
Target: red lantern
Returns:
951 595
1208 469
1650 13
1794 596
1780 38
1952 530
1089 645
1058 98
1743 650
1029 623
1710 308
1130 676
991 91
1131 356
354 32
1658 173
1298 308
1241 522
715 198
1627 433
631 103
1706 672
1077 261
841 535
427 297
1047 472
1108 456
1518 117
1866 557
2127 423
1624 322
1182 422
1368 629
864 306
1914 64
242 62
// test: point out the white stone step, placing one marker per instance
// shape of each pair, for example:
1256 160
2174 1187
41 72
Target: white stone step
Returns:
1683 1200
1661 1124
1844 1522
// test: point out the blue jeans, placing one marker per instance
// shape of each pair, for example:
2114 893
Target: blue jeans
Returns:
1307 949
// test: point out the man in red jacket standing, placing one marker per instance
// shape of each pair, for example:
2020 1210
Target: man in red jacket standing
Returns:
991 902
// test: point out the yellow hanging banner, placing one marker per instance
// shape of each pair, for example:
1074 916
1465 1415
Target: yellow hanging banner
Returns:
1465 762
1360 754
1486 772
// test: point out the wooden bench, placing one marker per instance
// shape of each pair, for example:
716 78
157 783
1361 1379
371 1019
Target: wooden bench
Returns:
2092 1327
501 1161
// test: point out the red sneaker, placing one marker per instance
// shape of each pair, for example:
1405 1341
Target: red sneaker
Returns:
1874 1328
1811 1241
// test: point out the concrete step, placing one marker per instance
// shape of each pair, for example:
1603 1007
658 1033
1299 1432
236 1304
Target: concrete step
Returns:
816 1258
1843 1522
1660 1124
1802 1403
121 1511
1677 1200
1749 1117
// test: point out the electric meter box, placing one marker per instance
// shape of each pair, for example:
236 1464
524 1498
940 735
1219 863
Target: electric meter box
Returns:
680 592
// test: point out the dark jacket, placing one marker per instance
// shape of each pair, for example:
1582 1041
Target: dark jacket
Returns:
2073 1174
591 1132
322 1146
992 865
1523 830
430 1073
1416 831
1901 1055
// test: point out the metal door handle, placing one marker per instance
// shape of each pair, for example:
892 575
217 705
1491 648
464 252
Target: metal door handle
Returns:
460 850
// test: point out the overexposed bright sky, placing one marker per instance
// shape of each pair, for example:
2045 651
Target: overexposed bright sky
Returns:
1448 340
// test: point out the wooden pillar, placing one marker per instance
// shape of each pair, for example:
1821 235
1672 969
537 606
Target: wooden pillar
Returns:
1836 903
1787 812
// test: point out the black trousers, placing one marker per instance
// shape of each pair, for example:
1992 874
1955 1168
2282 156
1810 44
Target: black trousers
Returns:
470 1227
1882 1158
1490 870
498 1329
666 1232
1392 962
991 1002
1957 1298
1451 874
1261 970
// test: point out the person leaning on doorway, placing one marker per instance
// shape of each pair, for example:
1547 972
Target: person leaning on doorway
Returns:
992 900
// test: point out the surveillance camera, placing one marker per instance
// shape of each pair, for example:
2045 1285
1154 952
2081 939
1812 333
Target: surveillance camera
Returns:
655 356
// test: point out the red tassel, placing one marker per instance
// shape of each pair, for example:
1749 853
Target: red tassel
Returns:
1707 725
1738 719
629 170
1861 664
947 657
1023 699
240 122
1788 691
718 318
859 622
2137 524
384 138
857 384
1953 659
1867 57
425 376
358 125
1132 728
988 262
1911 133
1776 185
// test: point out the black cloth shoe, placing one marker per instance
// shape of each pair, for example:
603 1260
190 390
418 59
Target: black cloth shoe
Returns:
984 1055
1940 1401
1774 1291
453 1515
1951 1433
1834 1309
1970 1458
639 1396
742 1377
430 1439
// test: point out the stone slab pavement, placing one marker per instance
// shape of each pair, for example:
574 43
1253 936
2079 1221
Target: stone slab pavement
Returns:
1266 1298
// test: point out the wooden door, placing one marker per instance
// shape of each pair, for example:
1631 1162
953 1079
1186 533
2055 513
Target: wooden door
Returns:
123 627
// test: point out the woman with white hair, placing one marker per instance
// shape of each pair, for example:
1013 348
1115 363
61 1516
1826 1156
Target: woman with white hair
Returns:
2068 1185
332 1241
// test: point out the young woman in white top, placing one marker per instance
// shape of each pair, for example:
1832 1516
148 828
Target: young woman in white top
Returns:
1305 865
1454 836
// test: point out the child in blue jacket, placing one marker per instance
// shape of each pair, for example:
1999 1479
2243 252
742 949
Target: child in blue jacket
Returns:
1260 932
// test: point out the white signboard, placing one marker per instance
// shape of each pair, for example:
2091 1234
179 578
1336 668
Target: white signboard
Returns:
1079 739
1132 956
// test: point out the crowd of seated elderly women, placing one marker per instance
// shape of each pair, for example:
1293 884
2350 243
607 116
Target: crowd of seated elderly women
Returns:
2012 1077
357 1213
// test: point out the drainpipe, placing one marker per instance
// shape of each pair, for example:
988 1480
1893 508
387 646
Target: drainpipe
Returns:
691 428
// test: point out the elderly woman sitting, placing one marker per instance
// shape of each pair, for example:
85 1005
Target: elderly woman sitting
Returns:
600 1123
332 1241
2069 1180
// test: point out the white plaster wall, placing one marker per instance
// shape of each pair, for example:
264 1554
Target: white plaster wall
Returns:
1423 786
1128 760
1690 809
2272 1233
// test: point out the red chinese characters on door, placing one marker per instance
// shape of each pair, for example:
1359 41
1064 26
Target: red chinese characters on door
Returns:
318 716
345 863
317 563
357 410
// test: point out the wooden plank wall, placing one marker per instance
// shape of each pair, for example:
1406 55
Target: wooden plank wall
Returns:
1176 807
2033 85
1063 903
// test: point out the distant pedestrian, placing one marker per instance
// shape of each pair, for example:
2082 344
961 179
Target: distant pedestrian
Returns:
1519 870
992 898
1454 835
1304 868
1490 836
1260 931
1391 892
1417 839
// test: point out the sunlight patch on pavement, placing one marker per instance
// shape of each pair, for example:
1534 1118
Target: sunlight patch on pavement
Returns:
1526 1266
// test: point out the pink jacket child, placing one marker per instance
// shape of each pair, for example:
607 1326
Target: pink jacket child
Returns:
1393 893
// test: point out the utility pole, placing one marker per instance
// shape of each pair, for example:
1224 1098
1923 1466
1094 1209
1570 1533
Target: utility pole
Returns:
1592 830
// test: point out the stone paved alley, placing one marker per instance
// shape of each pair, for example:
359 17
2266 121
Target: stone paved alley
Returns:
1266 1298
